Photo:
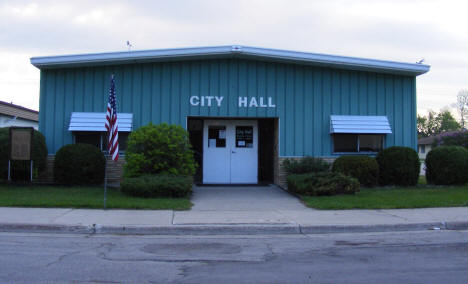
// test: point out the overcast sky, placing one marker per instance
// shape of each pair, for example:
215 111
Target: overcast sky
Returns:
399 30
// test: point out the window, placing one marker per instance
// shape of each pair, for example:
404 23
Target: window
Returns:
94 138
422 149
244 136
123 138
216 136
345 143
357 143
370 143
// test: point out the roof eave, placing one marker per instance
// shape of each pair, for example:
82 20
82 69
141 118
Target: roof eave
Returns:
340 61
231 51
127 56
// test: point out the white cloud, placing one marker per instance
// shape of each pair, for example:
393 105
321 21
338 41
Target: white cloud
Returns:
19 83
23 11
397 30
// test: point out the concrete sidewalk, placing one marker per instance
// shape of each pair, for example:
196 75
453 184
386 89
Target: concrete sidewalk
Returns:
223 222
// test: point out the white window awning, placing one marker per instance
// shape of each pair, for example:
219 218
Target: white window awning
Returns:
359 124
96 121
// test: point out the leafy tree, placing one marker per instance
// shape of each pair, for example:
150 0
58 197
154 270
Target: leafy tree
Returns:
453 139
436 123
447 122
422 126
462 106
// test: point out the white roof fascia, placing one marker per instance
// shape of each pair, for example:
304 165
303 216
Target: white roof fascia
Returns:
327 59
194 52
95 121
128 55
359 124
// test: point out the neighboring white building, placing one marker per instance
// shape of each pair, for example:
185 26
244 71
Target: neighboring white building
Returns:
424 146
15 115
425 143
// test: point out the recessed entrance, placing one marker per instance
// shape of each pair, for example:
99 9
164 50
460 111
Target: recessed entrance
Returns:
234 151
230 152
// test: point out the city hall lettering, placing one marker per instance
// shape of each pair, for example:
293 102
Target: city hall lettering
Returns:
242 101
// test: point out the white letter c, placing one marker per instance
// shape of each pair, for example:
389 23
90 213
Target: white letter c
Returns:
194 100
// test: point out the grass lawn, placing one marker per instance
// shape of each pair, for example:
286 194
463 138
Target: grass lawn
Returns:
82 197
398 197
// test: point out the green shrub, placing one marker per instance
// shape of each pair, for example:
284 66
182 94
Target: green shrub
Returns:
79 164
305 165
364 168
453 139
322 183
447 165
398 166
20 170
159 149
157 186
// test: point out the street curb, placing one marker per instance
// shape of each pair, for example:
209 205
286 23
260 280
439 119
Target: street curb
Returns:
248 229
373 228
201 230
456 225
45 228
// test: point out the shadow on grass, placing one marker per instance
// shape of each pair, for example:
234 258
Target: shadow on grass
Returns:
420 196
82 197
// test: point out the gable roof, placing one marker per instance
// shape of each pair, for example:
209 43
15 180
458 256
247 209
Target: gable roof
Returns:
231 51
18 111
430 139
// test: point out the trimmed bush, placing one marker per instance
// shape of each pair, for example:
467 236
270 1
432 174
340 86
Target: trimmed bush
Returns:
305 165
157 186
79 164
364 168
447 165
452 139
159 149
20 170
323 183
398 166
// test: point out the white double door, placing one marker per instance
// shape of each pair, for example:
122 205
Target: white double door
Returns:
230 151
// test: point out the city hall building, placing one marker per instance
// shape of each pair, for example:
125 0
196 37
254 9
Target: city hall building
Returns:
245 108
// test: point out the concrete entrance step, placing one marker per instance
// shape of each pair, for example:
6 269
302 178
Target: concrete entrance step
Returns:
244 198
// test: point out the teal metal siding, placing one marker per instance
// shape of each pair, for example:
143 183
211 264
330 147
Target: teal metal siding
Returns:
304 96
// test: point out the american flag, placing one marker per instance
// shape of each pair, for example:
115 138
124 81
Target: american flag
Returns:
111 123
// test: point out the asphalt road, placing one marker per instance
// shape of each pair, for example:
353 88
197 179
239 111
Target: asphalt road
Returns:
399 257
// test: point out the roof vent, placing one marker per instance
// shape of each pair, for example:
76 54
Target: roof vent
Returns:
236 48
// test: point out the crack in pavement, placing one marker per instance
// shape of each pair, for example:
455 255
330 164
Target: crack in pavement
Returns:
63 214
390 214
270 255
201 260
291 221
61 257
110 246
94 281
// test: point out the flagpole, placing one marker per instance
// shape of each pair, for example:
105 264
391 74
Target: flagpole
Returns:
105 182
112 135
